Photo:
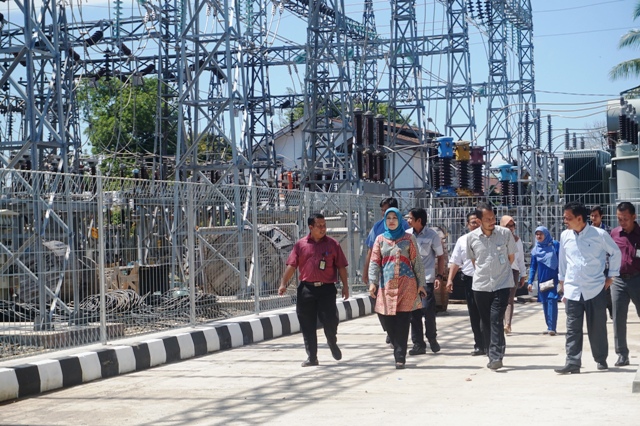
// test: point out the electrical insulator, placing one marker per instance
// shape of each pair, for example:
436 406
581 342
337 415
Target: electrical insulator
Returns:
95 38
125 50
73 55
477 164
445 158
463 155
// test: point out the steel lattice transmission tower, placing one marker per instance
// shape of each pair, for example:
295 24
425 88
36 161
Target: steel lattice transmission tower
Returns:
406 101
328 162
460 117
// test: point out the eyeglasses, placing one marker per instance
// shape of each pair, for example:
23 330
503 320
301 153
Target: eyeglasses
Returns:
511 225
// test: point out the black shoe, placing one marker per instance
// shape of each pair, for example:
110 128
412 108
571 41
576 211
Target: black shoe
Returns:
622 361
477 352
309 362
494 365
434 345
602 365
335 352
417 350
568 369
388 341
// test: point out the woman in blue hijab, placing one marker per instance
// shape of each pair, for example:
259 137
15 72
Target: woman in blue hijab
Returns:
395 253
544 262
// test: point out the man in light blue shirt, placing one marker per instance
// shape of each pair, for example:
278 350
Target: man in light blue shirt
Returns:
582 257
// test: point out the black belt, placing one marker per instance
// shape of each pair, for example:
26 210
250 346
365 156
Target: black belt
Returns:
465 276
629 276
316 283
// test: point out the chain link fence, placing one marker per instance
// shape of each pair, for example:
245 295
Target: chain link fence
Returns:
89 259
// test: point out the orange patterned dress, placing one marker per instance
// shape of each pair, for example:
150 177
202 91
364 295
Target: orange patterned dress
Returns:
402 273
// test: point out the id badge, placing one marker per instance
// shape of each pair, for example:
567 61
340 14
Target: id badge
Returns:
502 259
322 265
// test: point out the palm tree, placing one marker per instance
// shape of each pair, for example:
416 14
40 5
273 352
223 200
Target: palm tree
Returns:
631 67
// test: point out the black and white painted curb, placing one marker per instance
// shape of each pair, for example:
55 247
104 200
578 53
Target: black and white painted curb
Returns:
45 375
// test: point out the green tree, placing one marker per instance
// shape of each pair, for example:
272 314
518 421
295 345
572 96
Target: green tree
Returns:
121 120
630 68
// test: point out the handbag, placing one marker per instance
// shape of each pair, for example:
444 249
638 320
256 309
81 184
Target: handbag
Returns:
546 285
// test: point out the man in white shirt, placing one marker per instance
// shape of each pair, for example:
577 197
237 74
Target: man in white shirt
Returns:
431 251
492 250
582 257
461 274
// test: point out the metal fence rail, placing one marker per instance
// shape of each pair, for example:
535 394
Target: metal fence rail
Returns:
86 259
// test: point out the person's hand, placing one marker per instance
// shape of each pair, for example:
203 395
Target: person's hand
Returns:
436 284
521 282
373 290
422 292
530 288
608 282
282 289
561 288
450 286
345 291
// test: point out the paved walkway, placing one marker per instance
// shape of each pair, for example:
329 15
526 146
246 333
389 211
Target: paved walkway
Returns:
263 383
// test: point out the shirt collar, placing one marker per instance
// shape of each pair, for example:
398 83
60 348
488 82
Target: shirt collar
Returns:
311 240
586 227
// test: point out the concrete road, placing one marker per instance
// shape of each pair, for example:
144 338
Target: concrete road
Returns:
264 384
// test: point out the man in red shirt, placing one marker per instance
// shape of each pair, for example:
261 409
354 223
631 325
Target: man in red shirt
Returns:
319 260
626 287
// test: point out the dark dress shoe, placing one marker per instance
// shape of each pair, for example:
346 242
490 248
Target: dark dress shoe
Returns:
568 369
602 365
622 361
336 352
477 352
434 345
417 350
310 362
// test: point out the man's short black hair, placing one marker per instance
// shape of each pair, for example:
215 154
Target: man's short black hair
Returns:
471 213
597 209
483 206
577 209
626 206
391 202
419 213
312 219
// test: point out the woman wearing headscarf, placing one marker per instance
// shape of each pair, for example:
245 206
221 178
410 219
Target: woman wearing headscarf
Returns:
395 253
544 262
518 268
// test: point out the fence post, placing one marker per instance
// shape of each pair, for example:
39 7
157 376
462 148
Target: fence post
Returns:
350 245
191 226
101 256
257 273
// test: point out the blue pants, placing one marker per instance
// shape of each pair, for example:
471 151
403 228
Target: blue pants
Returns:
549 300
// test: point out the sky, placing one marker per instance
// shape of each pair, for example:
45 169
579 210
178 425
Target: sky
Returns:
576 45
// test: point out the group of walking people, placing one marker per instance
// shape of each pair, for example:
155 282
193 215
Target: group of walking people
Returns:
405 265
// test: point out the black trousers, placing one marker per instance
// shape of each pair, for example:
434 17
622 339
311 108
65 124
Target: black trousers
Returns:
492 306
623 291
397 327
596 312
313 304
428 312
474 315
